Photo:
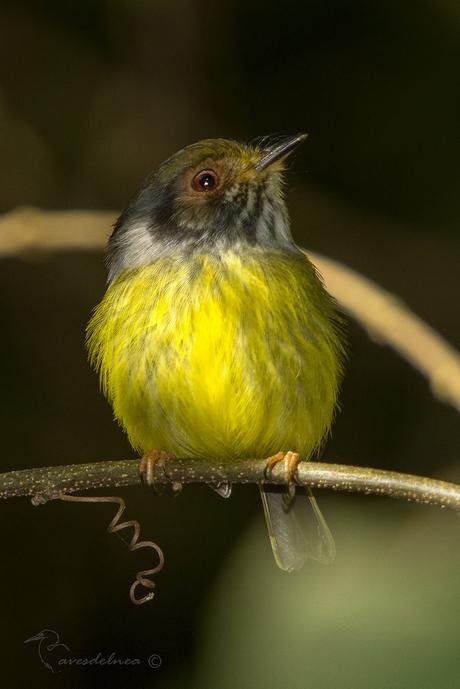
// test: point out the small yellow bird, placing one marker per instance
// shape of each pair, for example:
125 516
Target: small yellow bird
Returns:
216 337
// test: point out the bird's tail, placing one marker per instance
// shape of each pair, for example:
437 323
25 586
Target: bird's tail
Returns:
296 527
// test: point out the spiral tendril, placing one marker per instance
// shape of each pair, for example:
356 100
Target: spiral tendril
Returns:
142 578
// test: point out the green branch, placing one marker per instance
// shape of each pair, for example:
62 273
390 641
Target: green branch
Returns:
52 482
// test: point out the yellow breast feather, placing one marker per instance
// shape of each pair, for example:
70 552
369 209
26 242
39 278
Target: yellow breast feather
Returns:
231 355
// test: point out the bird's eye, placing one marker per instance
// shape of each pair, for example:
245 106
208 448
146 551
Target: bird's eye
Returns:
205 180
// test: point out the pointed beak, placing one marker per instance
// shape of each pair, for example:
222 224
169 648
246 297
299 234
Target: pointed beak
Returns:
279 151
37 637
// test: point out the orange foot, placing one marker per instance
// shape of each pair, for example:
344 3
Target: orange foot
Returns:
157 458
292 460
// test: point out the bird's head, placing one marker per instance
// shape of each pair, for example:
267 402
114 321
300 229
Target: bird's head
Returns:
208 196
41 636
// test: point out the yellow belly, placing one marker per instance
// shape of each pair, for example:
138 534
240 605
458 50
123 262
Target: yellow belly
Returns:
233 356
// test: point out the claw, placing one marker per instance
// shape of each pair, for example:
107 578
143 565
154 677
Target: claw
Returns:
292 460
271 461
222 488
147 466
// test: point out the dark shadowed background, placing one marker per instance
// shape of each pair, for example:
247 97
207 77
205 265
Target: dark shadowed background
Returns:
92 95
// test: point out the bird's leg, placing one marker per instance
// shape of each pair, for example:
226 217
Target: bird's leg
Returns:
157 458
292 460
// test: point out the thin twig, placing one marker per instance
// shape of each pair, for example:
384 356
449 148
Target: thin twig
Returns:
383 315
29 230
389 321
52 482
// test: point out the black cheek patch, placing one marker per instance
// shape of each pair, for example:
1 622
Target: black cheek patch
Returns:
165 205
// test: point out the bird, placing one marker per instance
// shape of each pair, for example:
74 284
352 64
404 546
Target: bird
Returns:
48 640
216 337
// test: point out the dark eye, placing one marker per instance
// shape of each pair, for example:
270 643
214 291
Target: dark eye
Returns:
205 180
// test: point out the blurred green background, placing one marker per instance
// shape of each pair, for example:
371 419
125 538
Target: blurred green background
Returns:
92 95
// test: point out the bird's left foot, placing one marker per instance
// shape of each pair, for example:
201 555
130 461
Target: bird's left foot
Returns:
292 461
153 459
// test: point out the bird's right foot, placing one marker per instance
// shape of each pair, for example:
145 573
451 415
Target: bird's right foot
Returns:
148 464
